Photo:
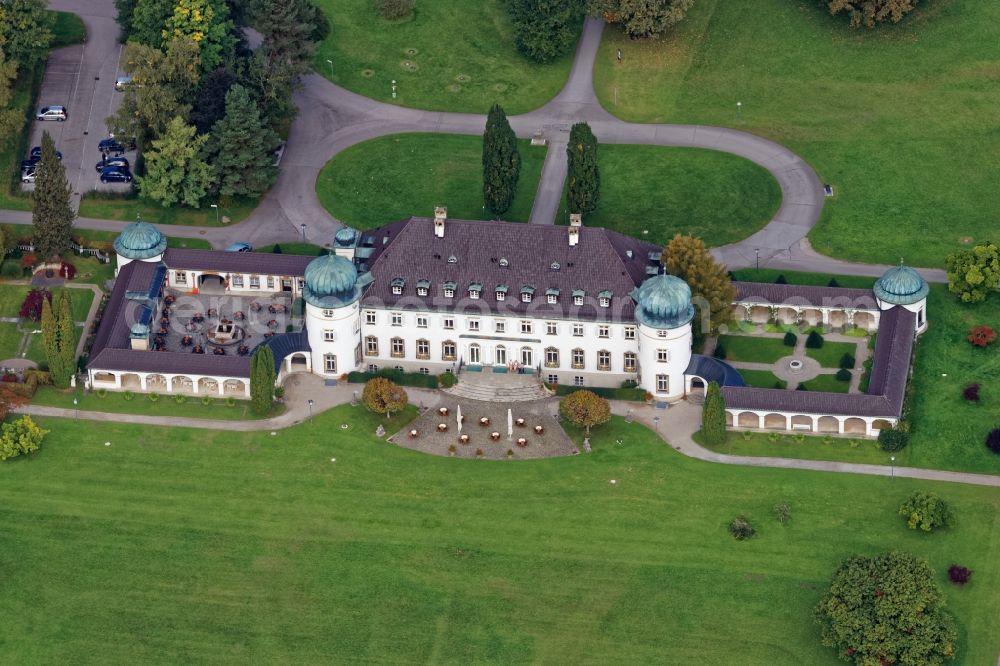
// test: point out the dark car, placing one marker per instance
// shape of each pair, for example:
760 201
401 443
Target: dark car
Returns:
111 146
28 164
36 154
118 162
115 175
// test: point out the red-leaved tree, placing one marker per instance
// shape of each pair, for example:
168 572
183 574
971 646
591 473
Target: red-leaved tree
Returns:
982 336
31 307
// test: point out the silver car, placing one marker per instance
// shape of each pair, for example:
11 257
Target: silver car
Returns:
51 113
123 82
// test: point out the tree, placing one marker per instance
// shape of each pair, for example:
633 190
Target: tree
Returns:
982 336
165 84
959 575
262 376
383 396
544 29
585 409
713 290
243 147
501 162
51 213
741 529
207 23
583 190
11 117
814 340
67 342
25 30
147 21
886 609
713 416
392 10
870 12
926 511
993 440
22 436
31 307
50 338
973 273
175 170
124 9
287 28
210 99
641 19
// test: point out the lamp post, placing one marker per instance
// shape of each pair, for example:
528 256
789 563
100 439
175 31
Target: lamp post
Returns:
76 409
310 410
739 109
892 467
216 207
331 66
303 228
756 251
656 423
394 88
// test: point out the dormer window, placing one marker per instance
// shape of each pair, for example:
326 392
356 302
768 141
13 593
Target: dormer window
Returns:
527 293
452 259
475 289
552 296
504 263
604 299
501 292
397 285
449 289
578 295
423 287
554 266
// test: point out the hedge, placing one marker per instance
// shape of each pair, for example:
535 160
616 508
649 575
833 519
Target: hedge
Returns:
636 394
401 378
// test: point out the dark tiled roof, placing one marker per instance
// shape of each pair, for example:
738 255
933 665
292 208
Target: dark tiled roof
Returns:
713 370
763 292
886 390
242 262
600 261
284 344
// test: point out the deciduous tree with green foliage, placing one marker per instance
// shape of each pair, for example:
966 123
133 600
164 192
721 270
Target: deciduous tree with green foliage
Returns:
25 30
501 162
176 171
583 189
585 409
242 147
713 416
210 99
22 436
870 12
544 29
384 396
974 273
886 609
147 21
207 23
712 289
925 511
10 116
641 19
262 376
51 213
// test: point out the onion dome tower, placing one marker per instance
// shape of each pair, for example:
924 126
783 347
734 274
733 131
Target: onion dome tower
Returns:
139 241
664 312
902 286
332 314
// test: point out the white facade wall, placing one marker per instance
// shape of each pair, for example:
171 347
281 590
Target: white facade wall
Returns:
333 332
237 284
676 342
121 261
919 308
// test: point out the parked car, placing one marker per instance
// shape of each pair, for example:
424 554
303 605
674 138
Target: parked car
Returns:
36 154
123 82
119 162
111 146
28 174
51 113
115 175
240 247
28 164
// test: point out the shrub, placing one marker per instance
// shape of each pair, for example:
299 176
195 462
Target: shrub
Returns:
741 529
843 375
893 439
101 392
713 416
153 397
783 512
847 361
833 282
982 336
180 399
510 453
801 387
392 10
780 279
128 395
959 575
31 306
814 341
479 453
451 449
629 384
18 437
67 270
205 400
720 351
993 440
446 380
925 511
971 393
790 339
870 12
585 409
230 401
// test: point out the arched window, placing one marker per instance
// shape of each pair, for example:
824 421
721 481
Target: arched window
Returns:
551 357
448 350
577 359
500 354
631 362
603 360
397 347
371 346
423 349
474 355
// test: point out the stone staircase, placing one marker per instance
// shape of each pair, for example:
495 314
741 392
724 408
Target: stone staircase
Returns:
498 387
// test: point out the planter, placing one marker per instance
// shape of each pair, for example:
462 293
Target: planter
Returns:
519 422
484 421
522 442
539 430
443 411
442 427
463 439
413 434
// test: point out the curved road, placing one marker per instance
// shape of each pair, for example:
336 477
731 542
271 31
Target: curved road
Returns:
338 119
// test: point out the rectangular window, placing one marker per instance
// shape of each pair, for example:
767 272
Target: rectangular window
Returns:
397 318
329 336
302 283
372 368
371 346
421 291
330 363
552 299
578 359
425 371
630 332
578 300
423 349
255 282
448 350
604 331
473 324
421 322
630 362
397 348
578 330
500 326
237 281
501 295
662 383
526 297
661 334
526 326
449 293
605 302
551 328
474 294
181 277
448 323
551 357
552 379
662 356
603 360
270 282
578 381
328 314
369 317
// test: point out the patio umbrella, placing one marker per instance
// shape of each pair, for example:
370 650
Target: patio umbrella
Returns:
458 415
510 424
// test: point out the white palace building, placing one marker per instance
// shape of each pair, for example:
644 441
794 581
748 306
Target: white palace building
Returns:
573 305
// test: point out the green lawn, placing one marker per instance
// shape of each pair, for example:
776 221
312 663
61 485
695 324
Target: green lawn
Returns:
110 236
806 447
151 211
10 340
68 30
302 249
830 353
914 103
393 177
192 407
761 379
754 349
813 279
450 56
175 545
11 297
827 384
654 192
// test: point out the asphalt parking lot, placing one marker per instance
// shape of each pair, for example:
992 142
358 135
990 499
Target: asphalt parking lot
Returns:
82 79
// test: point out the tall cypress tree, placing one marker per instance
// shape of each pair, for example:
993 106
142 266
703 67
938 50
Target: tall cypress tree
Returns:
501 162
51 213
67 339
262 378
584 190
244 147
713 416
50 340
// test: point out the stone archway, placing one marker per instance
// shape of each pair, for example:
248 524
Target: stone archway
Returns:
299 362
748 420
131 381
855 426
181 384
211 283
775 422
828 424
802 422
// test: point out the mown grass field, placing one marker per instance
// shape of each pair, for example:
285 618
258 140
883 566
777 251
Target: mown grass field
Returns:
449 55
220 547
900 120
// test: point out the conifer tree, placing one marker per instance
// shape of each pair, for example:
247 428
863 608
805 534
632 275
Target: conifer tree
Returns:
243 146
175 169
50 339
67 340
262 378
713 416
501 162
584 187
51 213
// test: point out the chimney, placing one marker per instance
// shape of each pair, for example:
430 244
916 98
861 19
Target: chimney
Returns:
440 215
575 222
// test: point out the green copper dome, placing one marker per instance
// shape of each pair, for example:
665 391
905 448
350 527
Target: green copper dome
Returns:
331 281
663 301
901 285
345 237
140 240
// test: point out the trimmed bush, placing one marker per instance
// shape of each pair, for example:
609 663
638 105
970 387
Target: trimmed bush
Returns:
790 339
843 375
720 351
971 393
982 336
847 361
446 380
925 511
959 575
741 529
993 440
814 341
782 512
392 10
833 283
893 439
713 416
780 279
397 377
633 394
801 387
